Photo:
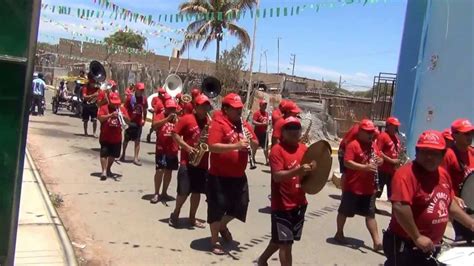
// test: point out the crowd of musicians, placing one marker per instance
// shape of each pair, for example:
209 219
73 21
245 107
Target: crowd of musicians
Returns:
425 193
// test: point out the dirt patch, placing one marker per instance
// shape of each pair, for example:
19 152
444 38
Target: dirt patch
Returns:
93 254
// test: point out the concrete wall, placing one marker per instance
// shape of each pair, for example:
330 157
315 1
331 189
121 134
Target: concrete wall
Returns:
430 95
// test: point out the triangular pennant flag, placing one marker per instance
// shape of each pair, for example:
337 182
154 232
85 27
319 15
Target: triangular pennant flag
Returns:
251 13
317 8
159 18
189 17
291 12
83 13
238 14
54 7
285 11
271 12
78 12
264 13
298 10
166 18
257 13
92 13
69 11
229 15
219 16
277 11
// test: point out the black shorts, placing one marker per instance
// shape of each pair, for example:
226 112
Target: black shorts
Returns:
167 162
191 180
227 196
352 204
287 226
133 133
262 139
110 149
402 252
340 158
385 179
89 111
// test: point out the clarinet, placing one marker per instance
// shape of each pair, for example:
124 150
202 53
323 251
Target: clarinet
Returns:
248 136
373 160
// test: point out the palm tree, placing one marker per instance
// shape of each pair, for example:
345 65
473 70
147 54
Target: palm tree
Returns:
212 29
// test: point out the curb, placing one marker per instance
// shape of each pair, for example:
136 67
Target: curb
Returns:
60 230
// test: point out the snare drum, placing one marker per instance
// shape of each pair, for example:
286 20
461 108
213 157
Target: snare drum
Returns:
457 256
467 194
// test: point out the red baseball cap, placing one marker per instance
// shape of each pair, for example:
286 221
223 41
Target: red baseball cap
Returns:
262 102
112 83
114 99
447 134
170 103
462 125
291 121
233 100
431 139
291 107
140 86
195 92
166 96
179 95
282 104
201 99
367 125
393 121
161 90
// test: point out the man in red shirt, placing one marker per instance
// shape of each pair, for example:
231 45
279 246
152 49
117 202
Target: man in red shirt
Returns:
110 134
389 146
130 90
195 92
109 86
348 137
288 198
289 108
459 162
136 106
361 159
277 113
90 92
422 204
227 187
188 133
157 106
166 155
260 121
448 137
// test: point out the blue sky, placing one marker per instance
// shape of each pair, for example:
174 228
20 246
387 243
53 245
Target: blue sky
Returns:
352 41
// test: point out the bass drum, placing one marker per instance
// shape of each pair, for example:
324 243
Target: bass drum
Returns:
467 195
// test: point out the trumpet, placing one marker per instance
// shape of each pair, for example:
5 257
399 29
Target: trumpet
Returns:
122 122
248 136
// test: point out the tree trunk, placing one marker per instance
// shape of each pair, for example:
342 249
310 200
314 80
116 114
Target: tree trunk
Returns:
218 47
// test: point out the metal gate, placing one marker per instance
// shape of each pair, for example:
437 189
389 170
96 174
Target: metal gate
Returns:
382 96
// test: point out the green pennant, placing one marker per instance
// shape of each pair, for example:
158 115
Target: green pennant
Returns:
251 13
92 13
78 12
69 11
159 18
229 15
211 16
271 12
277 11
189 17
83 13
97 14
116 15
285 11
219 16
176 18
264 13
317 8
54 7
166 18
291 12
298 10
257 13
88 13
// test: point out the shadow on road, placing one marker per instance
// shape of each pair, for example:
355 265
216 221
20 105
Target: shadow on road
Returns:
50 123
266 210
353 243
182 223
204 245
98 174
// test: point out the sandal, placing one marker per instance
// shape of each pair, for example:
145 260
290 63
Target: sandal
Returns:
155 199
217 250
197 224
137 163
226 235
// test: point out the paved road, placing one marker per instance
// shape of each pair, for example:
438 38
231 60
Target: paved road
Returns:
119 226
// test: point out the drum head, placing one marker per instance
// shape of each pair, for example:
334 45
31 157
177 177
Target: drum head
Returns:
321 153
467 193
457 256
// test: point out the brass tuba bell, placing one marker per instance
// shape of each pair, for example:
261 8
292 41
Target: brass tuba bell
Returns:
211 87
97 72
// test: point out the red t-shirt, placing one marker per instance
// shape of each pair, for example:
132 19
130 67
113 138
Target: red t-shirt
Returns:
233 163
287 194
451 164
217 114
348 137
429 195
136 110
101 98
165 143
189 128
277 128
260 117
359 182
276 115
187 108
390 146
157 105
110 130
88 91
128 92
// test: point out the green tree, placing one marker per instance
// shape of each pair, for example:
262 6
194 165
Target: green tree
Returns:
231 63
332 85
211 29
126 39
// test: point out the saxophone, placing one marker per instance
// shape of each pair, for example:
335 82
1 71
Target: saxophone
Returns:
202 147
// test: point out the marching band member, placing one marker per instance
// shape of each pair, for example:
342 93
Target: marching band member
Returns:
389 146
260 121
459 162
110 134
288 198
359 187
157 106
227 187
191 179
130 90
448 137
102 97
422 203
90 92
136 105
288 108
278 113
348 137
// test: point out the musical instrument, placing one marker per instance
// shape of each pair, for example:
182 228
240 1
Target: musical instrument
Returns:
314 181
403 153
173 85
202 147
186 98
98 74
248 136
456 256
123 124
211 87
373 160
467 188
149 101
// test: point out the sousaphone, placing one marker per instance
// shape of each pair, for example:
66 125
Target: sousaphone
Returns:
173 85
320 152
211 87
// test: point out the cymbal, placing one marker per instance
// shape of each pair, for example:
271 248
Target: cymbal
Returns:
320 152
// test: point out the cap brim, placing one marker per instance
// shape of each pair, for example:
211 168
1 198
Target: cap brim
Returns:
372 129
116 102
203 102
237 105
292 123
430 147
465 130
394 123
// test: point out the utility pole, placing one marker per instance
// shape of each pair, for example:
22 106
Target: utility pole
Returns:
278 47
250 87
340 81
293 62
266 61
